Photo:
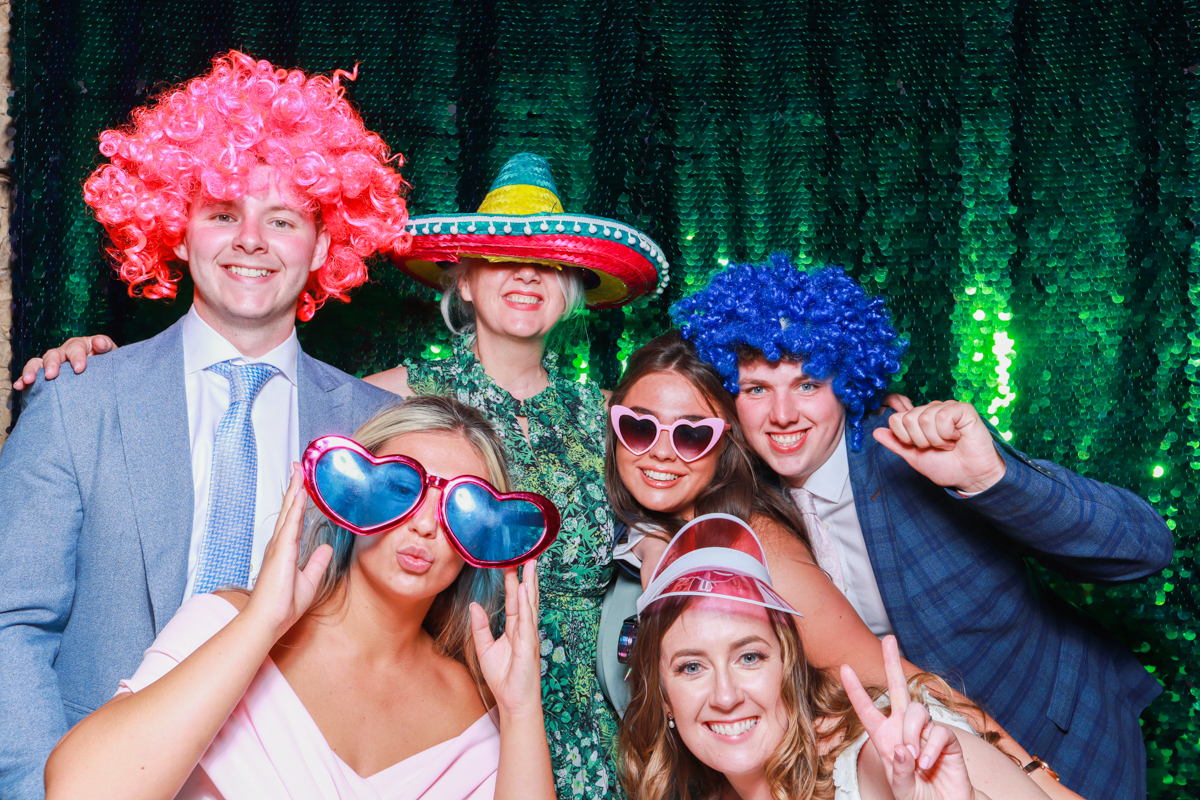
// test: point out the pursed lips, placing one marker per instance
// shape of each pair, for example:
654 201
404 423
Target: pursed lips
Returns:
416 559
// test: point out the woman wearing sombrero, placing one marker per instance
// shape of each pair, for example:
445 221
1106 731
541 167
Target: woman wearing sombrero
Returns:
510 273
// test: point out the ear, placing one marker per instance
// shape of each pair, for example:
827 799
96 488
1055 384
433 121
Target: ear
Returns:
180 250
321 250
464 288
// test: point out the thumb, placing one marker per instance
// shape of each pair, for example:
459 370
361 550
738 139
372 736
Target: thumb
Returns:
904 778
888 439
317 563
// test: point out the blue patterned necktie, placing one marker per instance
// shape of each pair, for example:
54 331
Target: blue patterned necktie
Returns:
229 532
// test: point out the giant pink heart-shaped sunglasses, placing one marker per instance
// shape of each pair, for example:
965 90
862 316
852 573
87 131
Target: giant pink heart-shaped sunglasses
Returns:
368 494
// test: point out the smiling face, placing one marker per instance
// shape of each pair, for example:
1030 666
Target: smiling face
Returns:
659 479
792 420
722 671
415 559
250 258
511 300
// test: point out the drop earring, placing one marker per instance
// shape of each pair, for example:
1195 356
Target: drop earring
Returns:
670 721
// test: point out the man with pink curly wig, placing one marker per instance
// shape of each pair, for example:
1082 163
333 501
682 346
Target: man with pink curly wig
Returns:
156 473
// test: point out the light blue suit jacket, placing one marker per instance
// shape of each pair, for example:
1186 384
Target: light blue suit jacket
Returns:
96 497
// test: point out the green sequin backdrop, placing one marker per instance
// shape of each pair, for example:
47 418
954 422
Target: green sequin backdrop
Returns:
1017 178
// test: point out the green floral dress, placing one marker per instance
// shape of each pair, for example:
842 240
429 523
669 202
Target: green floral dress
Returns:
563 460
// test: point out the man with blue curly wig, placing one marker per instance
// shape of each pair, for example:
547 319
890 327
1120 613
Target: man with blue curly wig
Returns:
923 518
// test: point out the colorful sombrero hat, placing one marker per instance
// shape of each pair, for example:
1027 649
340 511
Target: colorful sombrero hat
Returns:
522 219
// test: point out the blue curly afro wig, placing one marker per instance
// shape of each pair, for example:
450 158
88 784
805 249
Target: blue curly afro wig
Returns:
821 318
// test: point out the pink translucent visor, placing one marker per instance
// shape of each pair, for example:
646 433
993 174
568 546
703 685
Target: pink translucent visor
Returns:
690 439
715 555
726 586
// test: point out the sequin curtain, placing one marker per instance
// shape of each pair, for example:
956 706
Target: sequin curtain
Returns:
1016 177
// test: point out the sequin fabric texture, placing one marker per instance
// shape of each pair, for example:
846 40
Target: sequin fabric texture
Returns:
1018 178
563 460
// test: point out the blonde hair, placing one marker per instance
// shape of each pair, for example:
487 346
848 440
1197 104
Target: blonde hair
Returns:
657 765
448 620
459 315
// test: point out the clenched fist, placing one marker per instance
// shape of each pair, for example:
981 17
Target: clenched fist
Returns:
947 443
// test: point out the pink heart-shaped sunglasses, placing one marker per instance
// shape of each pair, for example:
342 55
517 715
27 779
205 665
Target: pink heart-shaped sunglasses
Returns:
690 439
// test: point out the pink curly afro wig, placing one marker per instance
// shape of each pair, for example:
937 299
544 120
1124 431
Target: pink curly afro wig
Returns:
206 137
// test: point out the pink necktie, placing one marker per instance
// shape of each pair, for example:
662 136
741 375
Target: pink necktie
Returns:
824 550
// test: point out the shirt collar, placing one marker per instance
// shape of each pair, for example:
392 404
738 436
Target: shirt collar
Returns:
829 481
203 347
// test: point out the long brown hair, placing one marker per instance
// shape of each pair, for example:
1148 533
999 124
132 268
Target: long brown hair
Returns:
736 487
448 619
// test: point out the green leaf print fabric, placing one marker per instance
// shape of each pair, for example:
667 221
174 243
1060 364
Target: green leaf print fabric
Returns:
563 460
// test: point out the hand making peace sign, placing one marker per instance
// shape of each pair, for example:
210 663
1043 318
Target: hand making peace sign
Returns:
922 760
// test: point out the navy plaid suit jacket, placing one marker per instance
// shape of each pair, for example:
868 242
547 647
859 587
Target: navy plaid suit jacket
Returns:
965 605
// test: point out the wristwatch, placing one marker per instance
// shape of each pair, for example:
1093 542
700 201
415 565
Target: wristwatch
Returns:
1036 764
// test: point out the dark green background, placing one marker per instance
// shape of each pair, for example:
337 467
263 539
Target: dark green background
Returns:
1017 178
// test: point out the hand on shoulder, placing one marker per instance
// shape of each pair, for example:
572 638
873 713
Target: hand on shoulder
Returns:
74 350
946 442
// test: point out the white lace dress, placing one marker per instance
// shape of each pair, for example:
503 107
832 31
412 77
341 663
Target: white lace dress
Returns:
845 769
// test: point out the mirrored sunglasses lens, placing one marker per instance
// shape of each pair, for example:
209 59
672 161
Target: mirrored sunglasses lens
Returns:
638 434
692 440
492 530
366 494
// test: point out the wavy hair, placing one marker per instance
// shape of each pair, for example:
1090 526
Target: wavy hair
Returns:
656 764
775 311
448 619
204 138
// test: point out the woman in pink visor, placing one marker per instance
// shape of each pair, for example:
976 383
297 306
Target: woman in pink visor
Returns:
726 706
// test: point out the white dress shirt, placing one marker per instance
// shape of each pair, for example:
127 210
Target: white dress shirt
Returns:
275 416
834 499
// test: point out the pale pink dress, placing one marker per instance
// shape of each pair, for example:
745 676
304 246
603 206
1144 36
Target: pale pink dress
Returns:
271 748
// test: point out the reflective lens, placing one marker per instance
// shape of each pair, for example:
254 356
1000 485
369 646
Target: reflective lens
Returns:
626 639
691 440
489 529
366 494
638 434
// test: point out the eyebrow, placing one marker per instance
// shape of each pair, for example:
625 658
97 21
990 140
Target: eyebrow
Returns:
679 653
275 209
647 412
802 378
745 640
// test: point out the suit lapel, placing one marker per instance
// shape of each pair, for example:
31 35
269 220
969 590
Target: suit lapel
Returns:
152 403
871 504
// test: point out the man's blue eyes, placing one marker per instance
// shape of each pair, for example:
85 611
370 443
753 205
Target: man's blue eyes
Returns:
804 387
